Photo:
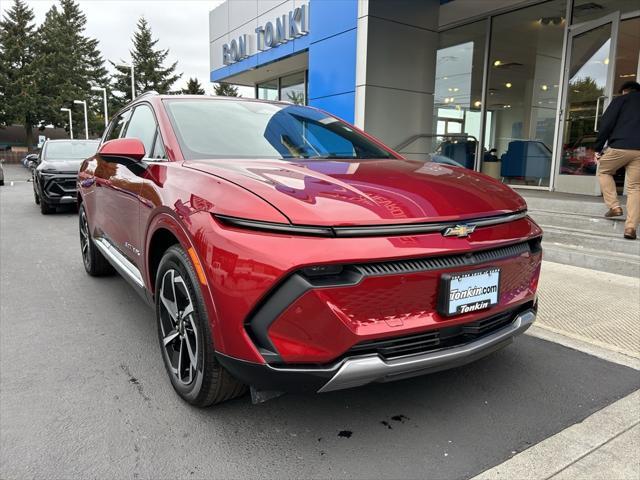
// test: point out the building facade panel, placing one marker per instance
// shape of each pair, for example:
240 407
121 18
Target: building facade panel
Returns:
332 68
219 22
340 105
265 5
399 56
241 13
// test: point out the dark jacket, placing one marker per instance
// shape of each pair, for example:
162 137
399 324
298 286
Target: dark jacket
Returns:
620 124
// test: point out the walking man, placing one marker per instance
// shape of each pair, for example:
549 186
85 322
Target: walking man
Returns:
620 129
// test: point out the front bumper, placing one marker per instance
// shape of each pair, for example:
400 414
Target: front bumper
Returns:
317 321
354 371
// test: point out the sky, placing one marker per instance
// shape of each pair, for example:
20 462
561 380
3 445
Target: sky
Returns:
182 26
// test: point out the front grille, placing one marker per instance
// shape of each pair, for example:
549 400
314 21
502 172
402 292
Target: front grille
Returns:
435 263
400 346
433 340
61 186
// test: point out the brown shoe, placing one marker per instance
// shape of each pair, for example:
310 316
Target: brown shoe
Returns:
630 233
614 212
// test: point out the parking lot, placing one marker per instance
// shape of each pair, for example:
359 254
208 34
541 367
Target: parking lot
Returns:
84 392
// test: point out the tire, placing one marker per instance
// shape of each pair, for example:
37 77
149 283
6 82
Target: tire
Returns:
36 197
94 262
177 293
46 208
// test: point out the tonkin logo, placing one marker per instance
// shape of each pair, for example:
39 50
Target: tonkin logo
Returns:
459 231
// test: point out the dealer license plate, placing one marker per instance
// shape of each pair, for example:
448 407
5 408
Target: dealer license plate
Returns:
469 291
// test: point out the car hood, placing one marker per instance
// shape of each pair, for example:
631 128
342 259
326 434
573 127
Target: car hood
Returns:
367 192
61 166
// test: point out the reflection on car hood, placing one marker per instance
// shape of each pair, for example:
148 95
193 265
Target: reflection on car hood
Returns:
61 166
367 192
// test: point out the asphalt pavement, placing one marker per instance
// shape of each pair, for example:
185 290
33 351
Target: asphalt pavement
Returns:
83 391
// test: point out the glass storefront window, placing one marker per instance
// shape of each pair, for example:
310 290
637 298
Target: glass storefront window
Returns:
267 90
628 53
588 91
523 92
586 94
292 89
458 91
585 10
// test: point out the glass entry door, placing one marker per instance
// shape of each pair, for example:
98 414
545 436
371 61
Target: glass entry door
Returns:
588 89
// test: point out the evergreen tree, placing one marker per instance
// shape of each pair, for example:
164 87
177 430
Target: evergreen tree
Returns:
70 63
19 98
193 87
225 90
148 62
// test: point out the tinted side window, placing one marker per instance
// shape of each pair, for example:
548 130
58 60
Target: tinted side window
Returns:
143 127
158 148
117 125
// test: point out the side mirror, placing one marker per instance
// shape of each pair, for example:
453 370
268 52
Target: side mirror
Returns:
122 149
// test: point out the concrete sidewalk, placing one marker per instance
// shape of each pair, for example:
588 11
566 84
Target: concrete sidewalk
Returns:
597 307
597 313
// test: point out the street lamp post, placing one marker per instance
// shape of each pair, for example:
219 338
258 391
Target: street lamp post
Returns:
86 120
133 81
104 96
70 121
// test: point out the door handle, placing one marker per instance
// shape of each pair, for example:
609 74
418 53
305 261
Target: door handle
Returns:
102 182
595 121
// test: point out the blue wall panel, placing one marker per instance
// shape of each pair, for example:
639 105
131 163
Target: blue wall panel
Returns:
339 105
332 56
330 17
332 65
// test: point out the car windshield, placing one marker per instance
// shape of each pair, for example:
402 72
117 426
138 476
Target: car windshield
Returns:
72 150
245 129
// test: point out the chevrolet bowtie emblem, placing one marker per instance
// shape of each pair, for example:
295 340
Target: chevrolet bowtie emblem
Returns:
459 231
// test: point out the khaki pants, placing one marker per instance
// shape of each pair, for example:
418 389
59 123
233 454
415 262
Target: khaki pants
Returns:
612 161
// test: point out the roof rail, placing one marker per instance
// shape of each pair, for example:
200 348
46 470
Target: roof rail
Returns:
147 93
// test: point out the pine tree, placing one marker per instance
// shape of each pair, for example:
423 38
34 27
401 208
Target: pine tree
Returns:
225 90
19 98
70 63
193 87
148 62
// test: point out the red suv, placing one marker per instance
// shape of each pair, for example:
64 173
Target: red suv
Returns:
284 249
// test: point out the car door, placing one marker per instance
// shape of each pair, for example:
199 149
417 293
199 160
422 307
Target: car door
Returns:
99 197
120 198
154 180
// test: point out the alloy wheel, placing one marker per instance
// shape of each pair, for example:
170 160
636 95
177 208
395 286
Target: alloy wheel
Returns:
178 327
84 239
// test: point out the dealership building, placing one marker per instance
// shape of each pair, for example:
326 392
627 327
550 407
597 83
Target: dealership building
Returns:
514 89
